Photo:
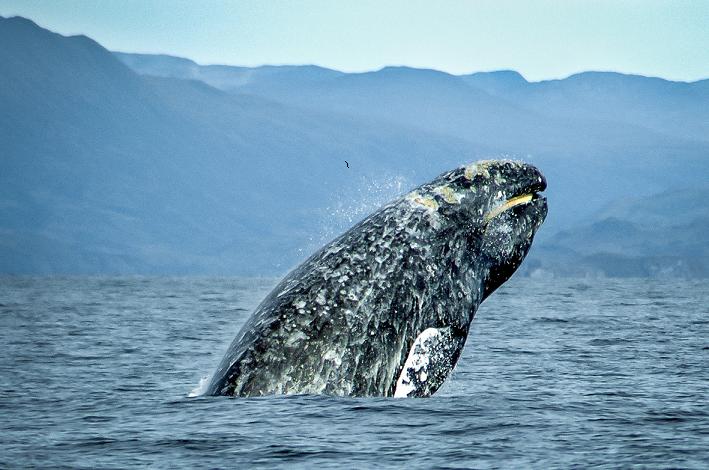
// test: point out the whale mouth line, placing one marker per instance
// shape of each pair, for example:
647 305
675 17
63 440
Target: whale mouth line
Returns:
510 203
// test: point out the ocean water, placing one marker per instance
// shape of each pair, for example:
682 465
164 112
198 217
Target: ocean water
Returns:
97 373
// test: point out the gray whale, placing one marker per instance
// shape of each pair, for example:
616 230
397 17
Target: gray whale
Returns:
385 309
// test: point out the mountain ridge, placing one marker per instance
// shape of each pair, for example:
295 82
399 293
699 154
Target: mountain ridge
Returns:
510 72
107 170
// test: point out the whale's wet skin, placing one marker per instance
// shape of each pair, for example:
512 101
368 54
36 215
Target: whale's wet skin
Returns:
385 309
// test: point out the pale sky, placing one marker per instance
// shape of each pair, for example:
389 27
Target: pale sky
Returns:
541 39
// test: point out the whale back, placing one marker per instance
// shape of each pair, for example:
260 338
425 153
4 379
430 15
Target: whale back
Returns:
344 321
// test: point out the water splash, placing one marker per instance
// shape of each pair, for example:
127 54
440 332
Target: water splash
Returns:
200 388
351 207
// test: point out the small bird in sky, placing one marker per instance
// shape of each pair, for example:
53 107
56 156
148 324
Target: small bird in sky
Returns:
348 165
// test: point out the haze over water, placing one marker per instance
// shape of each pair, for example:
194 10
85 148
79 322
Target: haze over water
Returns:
96 372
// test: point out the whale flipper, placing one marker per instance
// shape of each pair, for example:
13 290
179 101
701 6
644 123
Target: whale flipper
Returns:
431 359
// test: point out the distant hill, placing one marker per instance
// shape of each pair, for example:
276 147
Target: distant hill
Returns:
665 235
598 136
126 163
106 171
663 106
226 77
670 108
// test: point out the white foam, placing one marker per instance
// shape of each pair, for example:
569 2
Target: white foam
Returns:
200 388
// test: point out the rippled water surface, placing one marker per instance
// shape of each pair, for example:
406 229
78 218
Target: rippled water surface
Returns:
96 372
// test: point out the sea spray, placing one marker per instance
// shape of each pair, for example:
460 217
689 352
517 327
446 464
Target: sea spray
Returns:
352 206
200 388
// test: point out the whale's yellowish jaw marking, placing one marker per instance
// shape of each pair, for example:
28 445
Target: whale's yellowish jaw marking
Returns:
510 203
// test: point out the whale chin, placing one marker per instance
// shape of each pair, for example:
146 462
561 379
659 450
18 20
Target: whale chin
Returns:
517 225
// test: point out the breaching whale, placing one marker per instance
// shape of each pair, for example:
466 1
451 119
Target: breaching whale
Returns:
385 309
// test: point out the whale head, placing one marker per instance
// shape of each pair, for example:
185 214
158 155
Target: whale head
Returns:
494 207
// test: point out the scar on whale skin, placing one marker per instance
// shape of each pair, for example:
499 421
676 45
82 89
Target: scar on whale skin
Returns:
385 308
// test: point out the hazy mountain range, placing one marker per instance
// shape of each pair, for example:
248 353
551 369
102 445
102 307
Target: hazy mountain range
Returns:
150 164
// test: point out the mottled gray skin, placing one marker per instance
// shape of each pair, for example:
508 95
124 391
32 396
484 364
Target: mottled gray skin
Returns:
344 321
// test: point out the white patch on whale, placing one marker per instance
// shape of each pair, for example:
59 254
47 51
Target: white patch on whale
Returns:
418 361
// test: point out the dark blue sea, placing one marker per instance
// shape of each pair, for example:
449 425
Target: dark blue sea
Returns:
97 373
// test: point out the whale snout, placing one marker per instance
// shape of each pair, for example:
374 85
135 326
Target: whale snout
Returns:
534 178
498 186
515 211
514 177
